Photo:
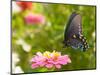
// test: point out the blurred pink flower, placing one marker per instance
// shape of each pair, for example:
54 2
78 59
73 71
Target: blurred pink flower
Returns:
34 19
49 60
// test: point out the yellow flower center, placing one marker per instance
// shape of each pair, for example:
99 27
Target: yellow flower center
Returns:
53 54
46 54
56 54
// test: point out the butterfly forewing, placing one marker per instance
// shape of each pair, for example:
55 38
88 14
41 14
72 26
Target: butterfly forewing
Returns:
74 26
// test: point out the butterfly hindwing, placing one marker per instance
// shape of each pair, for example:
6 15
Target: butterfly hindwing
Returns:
73 33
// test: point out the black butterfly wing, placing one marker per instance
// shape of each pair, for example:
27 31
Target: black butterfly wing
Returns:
74 26
73 33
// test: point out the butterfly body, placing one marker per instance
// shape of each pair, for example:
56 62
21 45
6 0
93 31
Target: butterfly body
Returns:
73 33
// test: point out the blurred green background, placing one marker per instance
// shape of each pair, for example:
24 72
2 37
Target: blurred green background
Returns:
29 39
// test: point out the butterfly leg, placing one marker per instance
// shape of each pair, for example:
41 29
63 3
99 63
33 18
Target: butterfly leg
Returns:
65 44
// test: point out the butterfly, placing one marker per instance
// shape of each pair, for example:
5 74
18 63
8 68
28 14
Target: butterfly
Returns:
73 33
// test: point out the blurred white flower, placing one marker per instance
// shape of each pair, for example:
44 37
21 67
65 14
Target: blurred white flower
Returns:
93 35
49 24
26 47
18 70
94 47
15 60
81 8
20 41
32 35
15 7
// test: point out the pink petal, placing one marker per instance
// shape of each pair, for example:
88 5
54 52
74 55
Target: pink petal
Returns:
39 54
49 65
34 66
41 64
58 66
39 59
68 60
64 60
34 59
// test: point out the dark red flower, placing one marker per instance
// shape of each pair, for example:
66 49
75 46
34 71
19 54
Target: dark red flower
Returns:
24 5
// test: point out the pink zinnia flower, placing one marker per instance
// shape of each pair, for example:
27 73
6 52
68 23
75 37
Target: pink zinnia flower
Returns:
34 19
49 60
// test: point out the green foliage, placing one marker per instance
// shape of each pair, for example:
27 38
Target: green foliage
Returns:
49 37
